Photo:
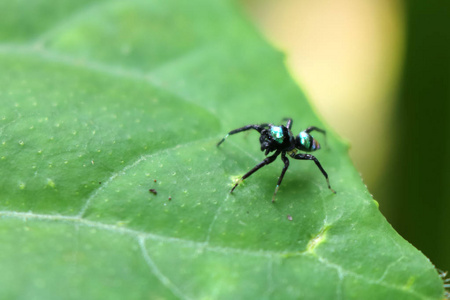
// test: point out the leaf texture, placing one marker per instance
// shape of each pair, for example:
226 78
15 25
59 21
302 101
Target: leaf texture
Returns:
104 100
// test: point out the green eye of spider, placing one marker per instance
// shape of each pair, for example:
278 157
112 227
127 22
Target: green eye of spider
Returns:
305 139
277 133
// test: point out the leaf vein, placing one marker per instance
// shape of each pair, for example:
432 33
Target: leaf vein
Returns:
157 272
202 245
129 166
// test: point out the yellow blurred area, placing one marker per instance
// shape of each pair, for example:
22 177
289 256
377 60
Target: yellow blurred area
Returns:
347 56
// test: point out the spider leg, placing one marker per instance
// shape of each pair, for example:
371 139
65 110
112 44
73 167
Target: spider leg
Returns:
314 128
286 166
312 157
266 161
258 128
289 123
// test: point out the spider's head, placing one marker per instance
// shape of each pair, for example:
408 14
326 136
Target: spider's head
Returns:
306 142
274 138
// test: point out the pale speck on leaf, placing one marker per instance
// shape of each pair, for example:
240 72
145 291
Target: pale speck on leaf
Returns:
50 183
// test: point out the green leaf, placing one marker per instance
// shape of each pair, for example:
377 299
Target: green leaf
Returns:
102 101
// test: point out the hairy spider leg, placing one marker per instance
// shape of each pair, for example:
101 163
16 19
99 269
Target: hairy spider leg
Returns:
289 123
266 161
286 166
312 157
258 128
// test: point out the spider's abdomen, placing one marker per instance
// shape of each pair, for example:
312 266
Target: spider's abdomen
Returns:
305 142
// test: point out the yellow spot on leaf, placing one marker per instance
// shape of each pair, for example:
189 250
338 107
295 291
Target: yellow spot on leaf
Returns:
235 179
318 239
410 282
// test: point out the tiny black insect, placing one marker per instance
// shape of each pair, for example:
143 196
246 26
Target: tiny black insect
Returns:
281 140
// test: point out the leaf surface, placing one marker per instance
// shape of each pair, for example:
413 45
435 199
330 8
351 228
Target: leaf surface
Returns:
104 100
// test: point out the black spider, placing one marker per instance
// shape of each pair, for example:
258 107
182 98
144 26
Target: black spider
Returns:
281 140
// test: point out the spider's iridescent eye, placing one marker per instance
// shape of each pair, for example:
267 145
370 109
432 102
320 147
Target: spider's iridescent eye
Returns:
277 133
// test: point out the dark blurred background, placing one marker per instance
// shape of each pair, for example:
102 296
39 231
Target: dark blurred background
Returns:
378 72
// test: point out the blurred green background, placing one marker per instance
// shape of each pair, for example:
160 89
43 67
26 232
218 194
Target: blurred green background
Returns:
379 73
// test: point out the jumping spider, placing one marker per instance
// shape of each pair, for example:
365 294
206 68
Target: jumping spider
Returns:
281 140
